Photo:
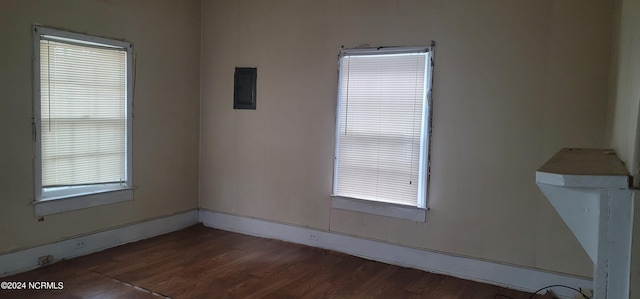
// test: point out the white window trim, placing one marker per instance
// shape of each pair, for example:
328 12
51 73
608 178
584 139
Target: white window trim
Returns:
58 200
379 208
417 213
82 201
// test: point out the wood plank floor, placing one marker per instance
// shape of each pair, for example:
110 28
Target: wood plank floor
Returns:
200 262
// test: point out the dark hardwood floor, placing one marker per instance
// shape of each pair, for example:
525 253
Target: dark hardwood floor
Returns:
200 262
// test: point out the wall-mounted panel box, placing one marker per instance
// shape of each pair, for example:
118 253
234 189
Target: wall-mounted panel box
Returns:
244 89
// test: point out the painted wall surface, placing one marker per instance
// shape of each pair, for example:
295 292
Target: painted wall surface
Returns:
634 283
166 38
626 101
515 81
625 108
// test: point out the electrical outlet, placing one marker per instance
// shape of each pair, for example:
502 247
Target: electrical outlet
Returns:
313 237
80 244
45 259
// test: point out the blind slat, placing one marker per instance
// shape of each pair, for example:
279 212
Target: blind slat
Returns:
83 114
380 127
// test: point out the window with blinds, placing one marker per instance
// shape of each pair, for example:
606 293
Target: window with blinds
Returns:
381 142
82 113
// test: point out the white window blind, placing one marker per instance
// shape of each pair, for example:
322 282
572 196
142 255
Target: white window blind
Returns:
83 118
381 120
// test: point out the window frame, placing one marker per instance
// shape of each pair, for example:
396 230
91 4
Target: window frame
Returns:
395 210
62 199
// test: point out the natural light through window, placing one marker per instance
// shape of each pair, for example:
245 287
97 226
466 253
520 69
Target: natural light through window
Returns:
383 118
83 119
82 115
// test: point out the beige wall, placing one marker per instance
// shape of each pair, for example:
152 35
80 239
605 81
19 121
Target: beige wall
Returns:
625 104
626 90
166 39
515 81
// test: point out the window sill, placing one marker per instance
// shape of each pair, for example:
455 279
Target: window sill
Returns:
379 208
55 205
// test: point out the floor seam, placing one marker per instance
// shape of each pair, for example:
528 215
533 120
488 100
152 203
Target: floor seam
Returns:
132 285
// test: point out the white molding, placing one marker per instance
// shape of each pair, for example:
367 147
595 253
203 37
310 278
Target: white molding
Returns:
599 211
24 260
579 208
384 50
617 239
88 39
584 181
510 276
520 278
379 208
81 201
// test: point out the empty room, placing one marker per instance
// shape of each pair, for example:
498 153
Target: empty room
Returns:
319 149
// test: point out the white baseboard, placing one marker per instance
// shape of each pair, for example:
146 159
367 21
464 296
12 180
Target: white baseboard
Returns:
519 278
24 260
